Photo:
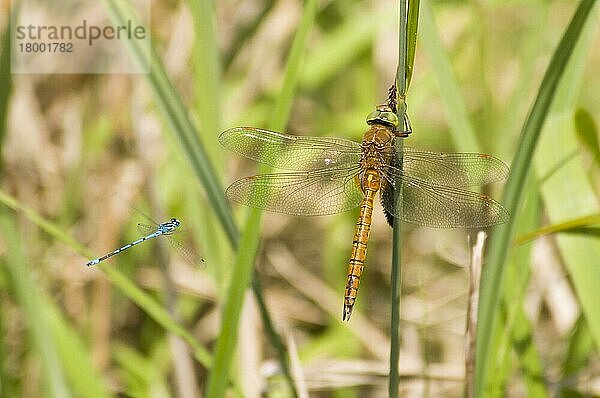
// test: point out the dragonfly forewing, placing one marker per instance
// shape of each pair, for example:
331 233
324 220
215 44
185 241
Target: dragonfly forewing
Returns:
287 152
311 193
453 169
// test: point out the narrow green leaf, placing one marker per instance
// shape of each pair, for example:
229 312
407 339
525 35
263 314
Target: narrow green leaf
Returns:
402 67
573 225
589 231
493 274
411 38
509 333
208 70
156 311
501 347
531 364
519 327
208 93
568 193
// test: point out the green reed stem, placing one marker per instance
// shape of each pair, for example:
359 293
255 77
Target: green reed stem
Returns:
407 39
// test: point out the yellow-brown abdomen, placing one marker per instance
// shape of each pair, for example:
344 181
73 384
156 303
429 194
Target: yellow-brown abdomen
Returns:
371 185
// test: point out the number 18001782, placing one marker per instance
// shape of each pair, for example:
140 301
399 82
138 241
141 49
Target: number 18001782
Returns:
57 47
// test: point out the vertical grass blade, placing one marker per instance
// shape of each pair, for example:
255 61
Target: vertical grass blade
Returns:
208 70
520 272
207 101
515 328
411 38
571 185
396 282
396 289
493 274
244 265
401 72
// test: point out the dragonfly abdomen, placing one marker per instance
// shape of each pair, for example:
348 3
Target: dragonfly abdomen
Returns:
361 238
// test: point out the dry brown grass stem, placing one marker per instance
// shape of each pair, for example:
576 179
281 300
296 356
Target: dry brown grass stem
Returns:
474 281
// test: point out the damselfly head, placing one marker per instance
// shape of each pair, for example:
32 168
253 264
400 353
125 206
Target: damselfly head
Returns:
175 222
383 115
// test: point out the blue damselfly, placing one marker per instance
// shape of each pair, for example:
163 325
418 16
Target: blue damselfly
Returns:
164 229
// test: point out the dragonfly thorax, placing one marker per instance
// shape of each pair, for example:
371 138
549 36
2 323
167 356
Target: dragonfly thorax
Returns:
169 226
377 147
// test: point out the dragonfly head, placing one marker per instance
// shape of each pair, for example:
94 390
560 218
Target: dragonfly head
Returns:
383 115
175 222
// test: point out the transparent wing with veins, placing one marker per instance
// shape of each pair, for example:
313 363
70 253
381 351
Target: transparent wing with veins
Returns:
323 180
182 250
311 193
288 152
425 202
146 229
453 169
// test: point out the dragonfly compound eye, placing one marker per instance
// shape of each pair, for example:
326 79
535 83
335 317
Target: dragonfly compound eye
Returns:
383 117
373 116
390 118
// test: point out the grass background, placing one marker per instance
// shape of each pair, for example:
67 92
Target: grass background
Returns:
144 326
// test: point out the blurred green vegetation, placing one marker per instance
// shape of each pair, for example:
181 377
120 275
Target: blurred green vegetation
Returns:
140 326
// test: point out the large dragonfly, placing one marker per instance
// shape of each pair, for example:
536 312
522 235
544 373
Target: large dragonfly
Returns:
328 175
